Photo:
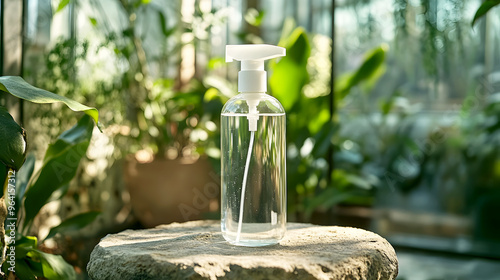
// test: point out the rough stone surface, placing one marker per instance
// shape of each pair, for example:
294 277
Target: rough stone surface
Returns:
197 250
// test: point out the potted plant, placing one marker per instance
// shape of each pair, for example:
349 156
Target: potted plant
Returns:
169 130
173 180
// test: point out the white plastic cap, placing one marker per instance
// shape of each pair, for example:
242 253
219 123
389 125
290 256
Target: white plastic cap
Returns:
252 77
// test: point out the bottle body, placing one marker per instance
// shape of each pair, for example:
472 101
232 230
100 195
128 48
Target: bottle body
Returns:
253 202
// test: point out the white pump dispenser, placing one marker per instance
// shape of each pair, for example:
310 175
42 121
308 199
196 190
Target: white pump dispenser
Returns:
252 77
253 154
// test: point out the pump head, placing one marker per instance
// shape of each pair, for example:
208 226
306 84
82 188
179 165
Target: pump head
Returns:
252 77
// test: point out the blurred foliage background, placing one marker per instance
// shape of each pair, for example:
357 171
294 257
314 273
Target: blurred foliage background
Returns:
398 131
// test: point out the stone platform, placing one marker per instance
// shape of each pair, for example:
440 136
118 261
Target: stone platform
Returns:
197 250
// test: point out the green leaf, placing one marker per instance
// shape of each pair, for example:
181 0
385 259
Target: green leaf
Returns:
358 181
289 26
163 24
318 120
24 174
483 9
323 139
55 267
371 67
21 89
59 166
93 21
25 266
80 133
387 105
216 62
74 223
26 242
22 179
23 270
36 267
13 139
325 199
62 5
254 17
290 74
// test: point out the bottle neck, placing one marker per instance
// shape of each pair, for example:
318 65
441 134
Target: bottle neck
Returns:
253 96
253 93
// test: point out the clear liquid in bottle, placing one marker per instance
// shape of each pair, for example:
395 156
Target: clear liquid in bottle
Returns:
263 219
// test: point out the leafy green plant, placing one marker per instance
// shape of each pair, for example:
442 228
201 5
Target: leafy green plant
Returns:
182 121
311 131
166 115
25 193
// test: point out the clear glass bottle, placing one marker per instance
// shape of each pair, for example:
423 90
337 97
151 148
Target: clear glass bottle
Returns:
253 170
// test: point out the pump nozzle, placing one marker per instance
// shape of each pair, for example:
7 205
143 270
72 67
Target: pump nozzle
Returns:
252 77
259 52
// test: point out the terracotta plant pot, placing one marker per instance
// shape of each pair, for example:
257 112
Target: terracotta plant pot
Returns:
165 191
